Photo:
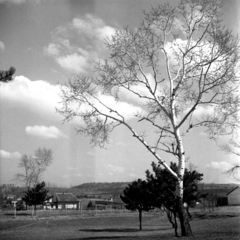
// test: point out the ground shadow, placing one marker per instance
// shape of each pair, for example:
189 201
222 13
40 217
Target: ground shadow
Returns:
120 230
103 237
204 216
110 230
119 237
18 214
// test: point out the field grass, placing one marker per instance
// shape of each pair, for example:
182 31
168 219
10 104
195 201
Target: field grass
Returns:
222 224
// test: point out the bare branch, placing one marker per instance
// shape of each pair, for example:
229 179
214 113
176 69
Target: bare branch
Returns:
32 167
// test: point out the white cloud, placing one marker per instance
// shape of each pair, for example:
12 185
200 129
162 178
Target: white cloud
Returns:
77 44
207 110
223 166
44 132
92 27
74 63
201 111
174 47
114 169
201 52
52 49
8 155
140 89
2 47
127 110
87 25
105 32
38 96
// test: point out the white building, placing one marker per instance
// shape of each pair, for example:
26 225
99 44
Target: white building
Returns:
234 196
63 201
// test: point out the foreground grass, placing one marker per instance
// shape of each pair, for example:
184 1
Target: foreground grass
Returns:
222 224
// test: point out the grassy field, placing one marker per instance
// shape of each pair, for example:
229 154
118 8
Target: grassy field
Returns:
224 223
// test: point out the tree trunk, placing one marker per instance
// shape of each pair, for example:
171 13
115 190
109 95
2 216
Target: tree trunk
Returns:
35 210
182 214
189 215
175 224
183 218
169 216
140 219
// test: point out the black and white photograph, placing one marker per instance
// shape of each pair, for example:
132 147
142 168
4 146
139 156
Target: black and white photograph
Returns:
119 119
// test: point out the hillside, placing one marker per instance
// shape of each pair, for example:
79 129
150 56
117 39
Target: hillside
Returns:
206 186
116 188
219 189
100 189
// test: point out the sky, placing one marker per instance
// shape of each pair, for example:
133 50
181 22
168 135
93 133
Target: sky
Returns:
49 42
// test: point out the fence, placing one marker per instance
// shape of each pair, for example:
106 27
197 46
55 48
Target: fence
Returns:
54 213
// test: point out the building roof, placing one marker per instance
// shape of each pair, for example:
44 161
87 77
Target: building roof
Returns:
65 197
11 196
233 190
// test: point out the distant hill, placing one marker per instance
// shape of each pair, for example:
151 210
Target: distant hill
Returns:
105 189
102 188
219 189
217 185
116 188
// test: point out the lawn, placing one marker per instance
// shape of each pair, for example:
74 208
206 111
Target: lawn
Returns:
224 223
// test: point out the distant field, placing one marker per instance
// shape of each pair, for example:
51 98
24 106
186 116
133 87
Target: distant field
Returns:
224 223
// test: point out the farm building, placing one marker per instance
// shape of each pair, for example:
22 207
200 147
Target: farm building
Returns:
234 196
98 204
118 203
64 201
102 204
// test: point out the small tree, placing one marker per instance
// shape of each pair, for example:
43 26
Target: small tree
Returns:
6 76
179 68
136 196
32 167
163 189
36 196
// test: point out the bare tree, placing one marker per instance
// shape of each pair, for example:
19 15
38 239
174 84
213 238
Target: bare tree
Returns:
32 167
27 167
43 158
233 147
179 68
